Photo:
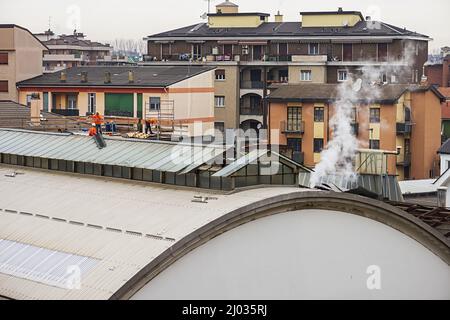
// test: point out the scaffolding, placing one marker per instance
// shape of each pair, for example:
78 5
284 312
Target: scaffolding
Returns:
165 126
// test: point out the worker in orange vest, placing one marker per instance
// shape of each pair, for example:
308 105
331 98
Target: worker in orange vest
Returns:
148 125
98 120
93 130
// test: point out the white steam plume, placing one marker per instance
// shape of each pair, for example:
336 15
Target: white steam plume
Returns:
339 155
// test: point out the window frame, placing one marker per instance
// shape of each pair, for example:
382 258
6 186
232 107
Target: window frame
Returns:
7 59
157 105
376 142
317 118
375 118
92 102
7 86
294 118
220 76
316 143
303 72
313 45
339 73
219 98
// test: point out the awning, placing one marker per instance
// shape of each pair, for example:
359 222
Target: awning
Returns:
227 42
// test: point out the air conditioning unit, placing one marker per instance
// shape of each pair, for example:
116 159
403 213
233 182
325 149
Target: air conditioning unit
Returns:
215 51
237 58
245 50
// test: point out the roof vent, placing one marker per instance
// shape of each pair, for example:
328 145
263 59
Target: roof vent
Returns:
63 76
130 76
340 9
84 77
107 77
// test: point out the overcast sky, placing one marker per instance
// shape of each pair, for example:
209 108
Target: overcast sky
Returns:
106 20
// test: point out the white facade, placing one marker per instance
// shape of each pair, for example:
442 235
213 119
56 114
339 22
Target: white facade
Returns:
310 254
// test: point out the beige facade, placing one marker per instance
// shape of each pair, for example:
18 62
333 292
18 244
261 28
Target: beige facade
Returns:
229 89
24 58
318 74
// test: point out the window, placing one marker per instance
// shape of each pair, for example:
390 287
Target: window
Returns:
196 51
319 114
354 115
305 75
342 75
220 101
318 145
294 122
219 126
220 75
313 49
155 103
382 52
3 86
29 98
4 58
417 48
347 52
91 103
384 78
71 102
375 115
407 146
294 144
374 144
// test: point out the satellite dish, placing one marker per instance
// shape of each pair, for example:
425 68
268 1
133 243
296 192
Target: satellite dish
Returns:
357 85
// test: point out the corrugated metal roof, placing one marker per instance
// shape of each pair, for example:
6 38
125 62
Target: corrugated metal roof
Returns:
153 155
124 225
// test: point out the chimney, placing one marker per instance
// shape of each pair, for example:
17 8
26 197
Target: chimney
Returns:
84 77
340 9
130 76
35 109
424 79
369 18
63 76
107 77
279 17
442 197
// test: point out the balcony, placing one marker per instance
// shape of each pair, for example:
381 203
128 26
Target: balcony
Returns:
404 161
252 85
404 128
64 57
294 127
67 112
286 58
310 58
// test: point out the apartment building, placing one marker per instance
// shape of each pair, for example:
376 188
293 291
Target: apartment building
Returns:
20 59
404 119
252 52
74 50
175 96
437 69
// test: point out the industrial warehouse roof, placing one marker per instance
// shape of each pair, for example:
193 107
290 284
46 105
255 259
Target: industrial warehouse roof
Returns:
389 93
152 155
145 76
119 232
289 30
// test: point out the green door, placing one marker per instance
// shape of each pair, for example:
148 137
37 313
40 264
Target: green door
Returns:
119 104
45 102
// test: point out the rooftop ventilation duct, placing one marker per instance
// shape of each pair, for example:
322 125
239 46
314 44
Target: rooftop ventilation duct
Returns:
107 77
130 76
63 76
84 77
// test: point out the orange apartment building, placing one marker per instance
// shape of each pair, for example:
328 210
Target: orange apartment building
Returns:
406 119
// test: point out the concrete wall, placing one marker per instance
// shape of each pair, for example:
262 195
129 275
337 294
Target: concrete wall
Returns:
330 20
24 59
246 21
319 74
305 255
229 88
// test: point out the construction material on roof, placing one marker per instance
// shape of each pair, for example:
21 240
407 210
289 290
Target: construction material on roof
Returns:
193 165
373 186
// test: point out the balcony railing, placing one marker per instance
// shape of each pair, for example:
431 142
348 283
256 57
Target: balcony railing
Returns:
292 127
252 85
67 112
251 110
404 161
404 128
286 58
